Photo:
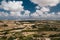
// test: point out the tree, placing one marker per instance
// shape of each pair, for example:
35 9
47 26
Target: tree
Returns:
5 25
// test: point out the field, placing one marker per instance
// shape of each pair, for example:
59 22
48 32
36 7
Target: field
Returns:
30 30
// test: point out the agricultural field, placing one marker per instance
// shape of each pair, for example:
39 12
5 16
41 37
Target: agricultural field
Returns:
30 30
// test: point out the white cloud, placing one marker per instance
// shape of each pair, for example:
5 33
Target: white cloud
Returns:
44 9
3 14
15 8
12 6
46 2
40 13
17 14
44 14
26 13
37 7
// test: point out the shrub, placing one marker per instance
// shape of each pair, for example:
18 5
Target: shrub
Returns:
5 25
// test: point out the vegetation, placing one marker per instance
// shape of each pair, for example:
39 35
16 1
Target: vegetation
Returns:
55 38
39 29
5 25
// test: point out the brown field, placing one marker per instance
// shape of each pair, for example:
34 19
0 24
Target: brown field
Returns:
30 30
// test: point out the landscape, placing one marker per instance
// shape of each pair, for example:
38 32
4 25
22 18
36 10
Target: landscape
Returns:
30 30
29 19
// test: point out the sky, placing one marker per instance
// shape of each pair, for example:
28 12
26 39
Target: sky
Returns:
29 9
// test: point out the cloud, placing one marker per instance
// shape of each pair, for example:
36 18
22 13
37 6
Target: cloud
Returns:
40 12
14 15
3 14
12 5
46 2
16 9
19 14
43 9
44 16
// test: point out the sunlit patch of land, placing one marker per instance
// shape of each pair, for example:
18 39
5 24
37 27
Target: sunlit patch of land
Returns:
30 30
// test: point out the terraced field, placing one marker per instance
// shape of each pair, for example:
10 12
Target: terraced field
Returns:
29 30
